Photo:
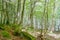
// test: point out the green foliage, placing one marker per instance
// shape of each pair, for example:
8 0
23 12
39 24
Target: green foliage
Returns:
17 31
5 34
14 26
5 27
12 11
28 36
1 26
25 34
30 28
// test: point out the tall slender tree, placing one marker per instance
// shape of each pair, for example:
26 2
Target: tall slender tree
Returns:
32 11
7 13
45 19
53 16
2 11
22 13
18 10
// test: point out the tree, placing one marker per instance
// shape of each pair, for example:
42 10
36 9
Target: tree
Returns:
22 13
53 16
31 11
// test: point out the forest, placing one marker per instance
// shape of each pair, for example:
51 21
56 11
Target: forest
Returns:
29 19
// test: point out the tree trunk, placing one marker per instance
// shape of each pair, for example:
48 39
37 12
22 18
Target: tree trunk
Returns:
31 12
53 17
7 14
22 13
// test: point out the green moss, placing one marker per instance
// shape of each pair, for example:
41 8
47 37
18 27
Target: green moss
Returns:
29 36
25 34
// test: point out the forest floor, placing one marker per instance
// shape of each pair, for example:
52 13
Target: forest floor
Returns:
54 35
50 36
5 37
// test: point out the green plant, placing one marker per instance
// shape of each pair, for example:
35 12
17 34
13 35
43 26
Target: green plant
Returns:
5 34
1 26
17 31
28 36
